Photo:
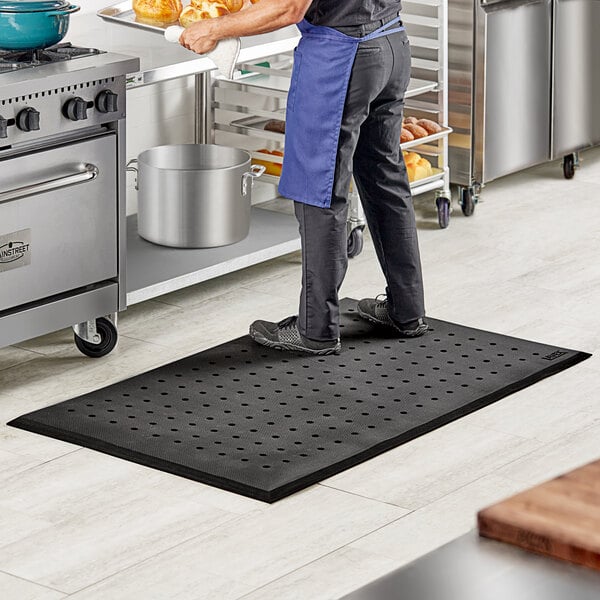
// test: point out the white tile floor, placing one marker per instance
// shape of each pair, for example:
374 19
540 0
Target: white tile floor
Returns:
77 523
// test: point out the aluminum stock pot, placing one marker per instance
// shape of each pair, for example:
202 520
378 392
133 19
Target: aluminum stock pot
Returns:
33 24
194 195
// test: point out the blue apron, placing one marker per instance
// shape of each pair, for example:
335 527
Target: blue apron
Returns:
323 64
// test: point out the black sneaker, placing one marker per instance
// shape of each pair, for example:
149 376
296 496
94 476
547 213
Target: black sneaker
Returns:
375 311
285 336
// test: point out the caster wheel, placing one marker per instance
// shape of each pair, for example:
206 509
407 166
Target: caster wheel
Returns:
569 166
108 340
356 242
443 208
467 202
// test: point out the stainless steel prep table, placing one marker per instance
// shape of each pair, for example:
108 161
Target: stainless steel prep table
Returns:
154 270
472 568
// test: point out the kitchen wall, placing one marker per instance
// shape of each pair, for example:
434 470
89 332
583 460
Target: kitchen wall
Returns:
94 5
156 115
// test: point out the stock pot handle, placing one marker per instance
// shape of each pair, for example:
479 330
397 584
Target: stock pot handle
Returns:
255 172
133 169
89 173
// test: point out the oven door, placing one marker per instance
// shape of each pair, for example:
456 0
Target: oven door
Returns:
58 220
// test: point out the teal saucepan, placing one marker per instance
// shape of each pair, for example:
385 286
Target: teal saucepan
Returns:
33 24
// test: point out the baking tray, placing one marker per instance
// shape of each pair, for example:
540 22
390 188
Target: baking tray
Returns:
446 131
254 123
415 185
436 174
258 124
123 14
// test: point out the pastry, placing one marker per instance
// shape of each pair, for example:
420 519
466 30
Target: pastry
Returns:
417 167
275 125
272 168
199 10
157 11
430 126
416 130
406 136
230 5
411 157
234 5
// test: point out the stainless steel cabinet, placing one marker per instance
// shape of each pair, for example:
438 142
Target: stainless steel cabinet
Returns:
576 107
516 121
524 85
500 81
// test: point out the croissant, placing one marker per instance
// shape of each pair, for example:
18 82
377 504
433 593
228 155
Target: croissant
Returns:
157 11
202 9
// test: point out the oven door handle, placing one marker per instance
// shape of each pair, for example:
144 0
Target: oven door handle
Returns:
89 173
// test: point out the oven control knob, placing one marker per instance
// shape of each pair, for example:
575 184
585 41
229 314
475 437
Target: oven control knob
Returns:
3 127
75 109
107 102
28 119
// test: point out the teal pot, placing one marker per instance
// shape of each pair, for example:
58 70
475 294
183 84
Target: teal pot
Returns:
33 24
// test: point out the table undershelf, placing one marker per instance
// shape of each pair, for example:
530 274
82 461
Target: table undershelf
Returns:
154 270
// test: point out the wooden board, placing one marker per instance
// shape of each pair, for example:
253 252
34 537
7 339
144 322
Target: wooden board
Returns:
560 518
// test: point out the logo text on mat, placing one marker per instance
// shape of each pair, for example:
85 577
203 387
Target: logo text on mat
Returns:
554 355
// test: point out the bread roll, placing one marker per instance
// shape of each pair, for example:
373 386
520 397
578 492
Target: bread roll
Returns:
157 11
200 10
412 120
430 126
275 125
416 130
272 168
427 166
417 167
206 4
231 5
234 5
406 136
411 158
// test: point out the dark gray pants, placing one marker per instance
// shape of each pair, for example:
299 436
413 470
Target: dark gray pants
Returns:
369 147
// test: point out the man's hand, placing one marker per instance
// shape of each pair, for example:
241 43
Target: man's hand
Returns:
199 37
262 17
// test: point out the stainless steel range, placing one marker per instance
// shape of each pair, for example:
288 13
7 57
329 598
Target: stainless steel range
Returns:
62 198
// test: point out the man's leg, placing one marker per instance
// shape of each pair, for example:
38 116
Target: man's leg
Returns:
384 188
323 230
324 264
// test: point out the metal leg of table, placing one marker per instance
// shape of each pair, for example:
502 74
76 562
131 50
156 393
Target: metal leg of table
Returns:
202 130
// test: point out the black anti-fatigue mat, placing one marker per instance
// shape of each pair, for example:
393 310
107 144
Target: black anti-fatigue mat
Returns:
265 424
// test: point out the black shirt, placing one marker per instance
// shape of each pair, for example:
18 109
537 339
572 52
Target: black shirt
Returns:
342 13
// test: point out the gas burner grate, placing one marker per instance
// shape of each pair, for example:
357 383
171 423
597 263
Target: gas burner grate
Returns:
25 59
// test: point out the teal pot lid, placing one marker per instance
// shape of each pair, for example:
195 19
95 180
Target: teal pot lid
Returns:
25 6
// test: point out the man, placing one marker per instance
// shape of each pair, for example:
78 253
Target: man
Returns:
343 118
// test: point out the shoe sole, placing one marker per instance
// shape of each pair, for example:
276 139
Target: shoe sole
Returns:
263 341
418 332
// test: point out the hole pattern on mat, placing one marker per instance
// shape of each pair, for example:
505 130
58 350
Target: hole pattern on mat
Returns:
241 407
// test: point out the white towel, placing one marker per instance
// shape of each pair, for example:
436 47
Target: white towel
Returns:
224 55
